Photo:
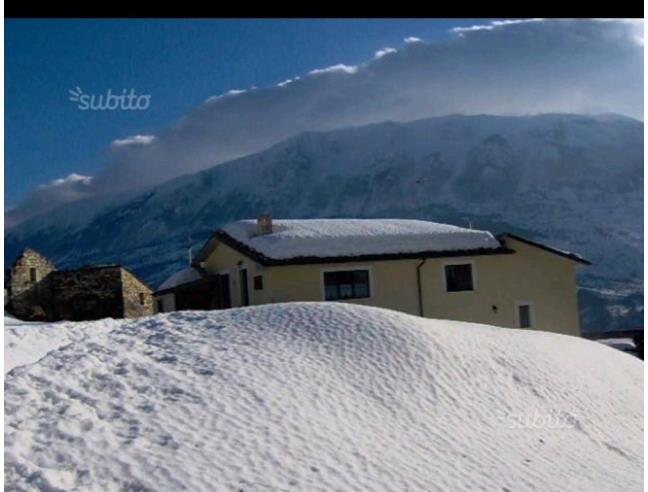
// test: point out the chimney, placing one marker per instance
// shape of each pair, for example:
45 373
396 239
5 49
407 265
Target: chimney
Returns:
264 224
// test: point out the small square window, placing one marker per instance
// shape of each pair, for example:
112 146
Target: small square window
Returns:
258 282
459 278
32 275
142 298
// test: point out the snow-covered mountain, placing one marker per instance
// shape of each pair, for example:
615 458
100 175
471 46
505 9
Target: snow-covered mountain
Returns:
573 181
317 397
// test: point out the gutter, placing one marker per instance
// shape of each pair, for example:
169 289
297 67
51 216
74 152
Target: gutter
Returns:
418 285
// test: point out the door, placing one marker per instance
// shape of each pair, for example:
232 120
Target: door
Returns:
225 297
243 280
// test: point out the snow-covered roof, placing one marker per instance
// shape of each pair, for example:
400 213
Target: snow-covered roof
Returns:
357 237
180 277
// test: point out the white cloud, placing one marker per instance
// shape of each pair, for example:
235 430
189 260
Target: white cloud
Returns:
493 24
412 39
134 140
70 179
59 191
506 67
384 51
339 68
230 93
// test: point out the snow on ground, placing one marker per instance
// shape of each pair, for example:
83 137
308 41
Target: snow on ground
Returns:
352 237
324 397
27 342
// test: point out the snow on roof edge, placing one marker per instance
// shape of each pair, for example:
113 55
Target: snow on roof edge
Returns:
329 238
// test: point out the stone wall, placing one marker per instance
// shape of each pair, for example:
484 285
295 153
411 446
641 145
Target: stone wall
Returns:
27 287
138 297
37 291
86 294
21 271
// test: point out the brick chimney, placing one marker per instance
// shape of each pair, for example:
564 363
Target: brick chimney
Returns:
264 224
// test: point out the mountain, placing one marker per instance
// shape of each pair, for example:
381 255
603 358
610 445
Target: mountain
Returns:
573 181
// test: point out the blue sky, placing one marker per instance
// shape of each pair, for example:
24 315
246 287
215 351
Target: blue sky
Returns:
180 63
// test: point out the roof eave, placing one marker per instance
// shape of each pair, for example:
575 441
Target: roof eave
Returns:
549 249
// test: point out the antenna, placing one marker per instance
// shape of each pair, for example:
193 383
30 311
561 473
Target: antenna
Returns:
189 249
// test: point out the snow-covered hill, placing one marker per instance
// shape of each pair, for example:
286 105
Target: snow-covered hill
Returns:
323 396
573 181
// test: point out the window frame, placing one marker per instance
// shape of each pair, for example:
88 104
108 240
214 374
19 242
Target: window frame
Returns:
348 268
473 275
532 317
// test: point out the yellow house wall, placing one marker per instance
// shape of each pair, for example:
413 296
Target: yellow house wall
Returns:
544 279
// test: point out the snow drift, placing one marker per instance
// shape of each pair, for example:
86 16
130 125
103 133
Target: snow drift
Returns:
322 396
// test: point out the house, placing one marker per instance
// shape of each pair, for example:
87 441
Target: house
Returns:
424 268
36 290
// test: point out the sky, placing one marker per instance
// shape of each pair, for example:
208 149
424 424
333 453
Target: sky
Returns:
217 89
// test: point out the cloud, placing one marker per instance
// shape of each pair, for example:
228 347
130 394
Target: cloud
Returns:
412 39
384 51
231 92
501 67
494 24
59 191
134 140
340 68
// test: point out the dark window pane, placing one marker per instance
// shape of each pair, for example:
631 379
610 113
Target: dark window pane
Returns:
346 291
331 292
361 283
524 312
258 282
350 284
458 277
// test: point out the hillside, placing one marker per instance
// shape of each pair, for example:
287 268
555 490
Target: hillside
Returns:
328 397
573 181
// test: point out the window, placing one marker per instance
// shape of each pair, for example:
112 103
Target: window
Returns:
459 277
258 282
524 315
142 298
352 284
32 275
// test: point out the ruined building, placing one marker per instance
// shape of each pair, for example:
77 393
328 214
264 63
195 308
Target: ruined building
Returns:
36 290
